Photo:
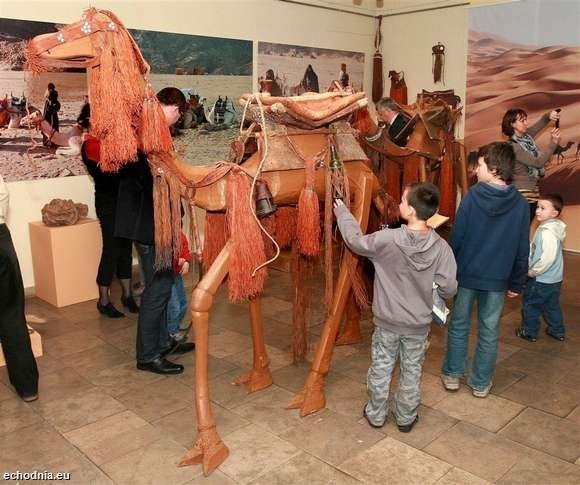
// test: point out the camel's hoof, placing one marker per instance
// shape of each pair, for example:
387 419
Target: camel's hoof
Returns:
209 450
308 401
349 338
255 379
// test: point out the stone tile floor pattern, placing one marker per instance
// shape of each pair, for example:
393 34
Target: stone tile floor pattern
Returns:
105 422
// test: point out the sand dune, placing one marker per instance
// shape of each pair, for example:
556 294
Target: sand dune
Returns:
504 75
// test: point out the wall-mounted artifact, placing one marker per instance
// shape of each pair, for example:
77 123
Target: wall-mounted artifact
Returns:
438 55
60 212
398 90
378 65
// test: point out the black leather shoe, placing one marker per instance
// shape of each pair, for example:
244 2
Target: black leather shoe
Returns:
130 304
405 428
160 366
109 310
177 347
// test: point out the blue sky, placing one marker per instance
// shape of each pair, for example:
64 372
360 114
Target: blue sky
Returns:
534 22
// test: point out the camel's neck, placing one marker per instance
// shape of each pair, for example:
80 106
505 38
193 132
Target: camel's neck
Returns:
210 197
366 125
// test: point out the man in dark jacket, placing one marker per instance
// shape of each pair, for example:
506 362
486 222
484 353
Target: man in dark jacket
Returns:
490 243
134 220
397 122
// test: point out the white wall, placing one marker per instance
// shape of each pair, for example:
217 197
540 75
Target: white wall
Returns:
407 42
265 20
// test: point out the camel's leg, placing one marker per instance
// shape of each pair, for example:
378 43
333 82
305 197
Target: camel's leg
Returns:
311 398
259 376
209 449
351 333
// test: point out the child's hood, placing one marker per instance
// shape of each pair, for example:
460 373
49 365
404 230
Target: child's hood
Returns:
555 226
419 247
495 200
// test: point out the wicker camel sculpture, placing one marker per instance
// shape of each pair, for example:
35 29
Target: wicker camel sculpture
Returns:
118 77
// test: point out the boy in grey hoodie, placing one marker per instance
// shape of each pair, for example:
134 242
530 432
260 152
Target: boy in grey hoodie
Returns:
407 261
542 293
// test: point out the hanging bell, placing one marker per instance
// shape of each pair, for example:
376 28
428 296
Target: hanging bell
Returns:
264 201
335 162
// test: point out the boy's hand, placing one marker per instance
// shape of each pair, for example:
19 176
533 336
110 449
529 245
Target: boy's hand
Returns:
338 202
512 294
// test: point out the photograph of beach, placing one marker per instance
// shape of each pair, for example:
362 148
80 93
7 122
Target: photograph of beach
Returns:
22 153
207 68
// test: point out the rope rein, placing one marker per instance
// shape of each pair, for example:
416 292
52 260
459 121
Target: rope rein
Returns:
255 178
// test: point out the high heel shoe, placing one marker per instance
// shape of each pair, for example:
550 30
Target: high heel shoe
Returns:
109 310
130 304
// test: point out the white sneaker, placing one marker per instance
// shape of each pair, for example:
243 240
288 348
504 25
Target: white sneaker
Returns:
450 383
483 392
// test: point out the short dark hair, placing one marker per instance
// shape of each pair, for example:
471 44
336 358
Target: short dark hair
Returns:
500 159
511 116
472 161
424 198
51 86
172 96
554 199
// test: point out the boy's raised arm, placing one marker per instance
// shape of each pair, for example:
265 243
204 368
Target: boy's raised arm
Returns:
363 245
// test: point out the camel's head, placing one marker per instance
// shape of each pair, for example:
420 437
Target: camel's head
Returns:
75 45
125 115
362 121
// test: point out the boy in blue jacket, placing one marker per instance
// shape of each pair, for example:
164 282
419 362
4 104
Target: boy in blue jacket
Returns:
542 293
491 246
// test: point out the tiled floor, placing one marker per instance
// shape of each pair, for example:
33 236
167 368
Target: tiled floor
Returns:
103 421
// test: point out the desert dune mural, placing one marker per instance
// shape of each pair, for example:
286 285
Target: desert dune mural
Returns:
527 55
503 75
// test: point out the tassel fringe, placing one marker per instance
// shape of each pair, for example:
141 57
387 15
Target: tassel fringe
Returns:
247 241
163 230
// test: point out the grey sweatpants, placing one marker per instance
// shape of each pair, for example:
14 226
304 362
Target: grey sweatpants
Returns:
386 347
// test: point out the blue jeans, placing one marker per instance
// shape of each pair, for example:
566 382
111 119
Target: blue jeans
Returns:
152 335
177 305
489 308
542 299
